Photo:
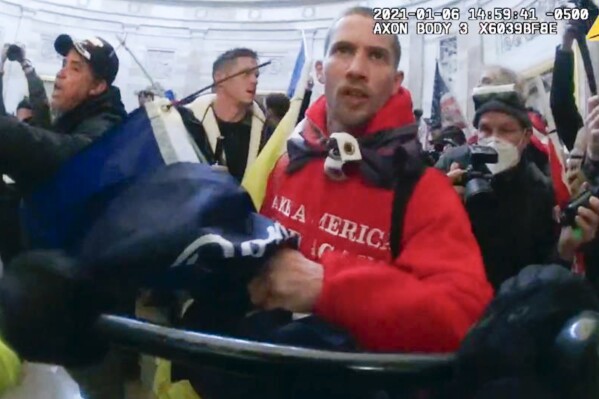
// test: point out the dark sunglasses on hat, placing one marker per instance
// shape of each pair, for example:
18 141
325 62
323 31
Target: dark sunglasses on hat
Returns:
506 94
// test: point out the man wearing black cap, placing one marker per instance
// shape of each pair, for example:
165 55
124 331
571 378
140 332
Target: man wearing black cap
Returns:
513 221
86 105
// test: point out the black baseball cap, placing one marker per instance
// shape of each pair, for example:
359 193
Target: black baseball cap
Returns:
97 51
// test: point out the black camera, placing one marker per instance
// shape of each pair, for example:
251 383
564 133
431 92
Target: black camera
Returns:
568 214
431 157
477 179
14 53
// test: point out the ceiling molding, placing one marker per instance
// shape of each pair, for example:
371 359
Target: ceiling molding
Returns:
241 3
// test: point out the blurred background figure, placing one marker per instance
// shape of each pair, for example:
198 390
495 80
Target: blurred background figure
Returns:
24 111
276 105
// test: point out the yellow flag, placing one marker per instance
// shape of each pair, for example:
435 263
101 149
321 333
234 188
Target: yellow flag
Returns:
10 368
256 176
164 388
593 34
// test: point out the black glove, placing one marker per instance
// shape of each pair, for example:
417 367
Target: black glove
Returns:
15 53
47 309
534 275
514 339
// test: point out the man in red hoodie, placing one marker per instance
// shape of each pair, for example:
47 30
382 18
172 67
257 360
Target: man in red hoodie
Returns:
422 300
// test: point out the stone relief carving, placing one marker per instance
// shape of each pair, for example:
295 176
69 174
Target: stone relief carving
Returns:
159 63
254 14
308 12
276 66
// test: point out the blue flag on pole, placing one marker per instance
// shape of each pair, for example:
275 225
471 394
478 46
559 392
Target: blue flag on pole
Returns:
445 109
169 94
297 71
439 90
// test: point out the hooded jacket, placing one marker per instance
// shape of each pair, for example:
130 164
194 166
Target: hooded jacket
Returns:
30 155
423 301
203 110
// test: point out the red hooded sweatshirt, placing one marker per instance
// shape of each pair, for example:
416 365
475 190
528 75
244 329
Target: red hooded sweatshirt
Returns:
425 300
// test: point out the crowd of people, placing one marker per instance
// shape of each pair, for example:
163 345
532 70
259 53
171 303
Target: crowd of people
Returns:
398 251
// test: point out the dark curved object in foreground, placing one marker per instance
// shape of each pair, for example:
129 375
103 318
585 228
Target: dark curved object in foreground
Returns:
245 357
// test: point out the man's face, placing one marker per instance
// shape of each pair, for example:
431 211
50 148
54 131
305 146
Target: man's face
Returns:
241 88
24 114
75 83
359 72
504 126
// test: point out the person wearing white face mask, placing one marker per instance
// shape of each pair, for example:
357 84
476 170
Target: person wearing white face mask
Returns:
508 154
514 224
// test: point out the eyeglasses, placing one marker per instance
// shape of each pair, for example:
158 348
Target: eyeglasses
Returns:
506 94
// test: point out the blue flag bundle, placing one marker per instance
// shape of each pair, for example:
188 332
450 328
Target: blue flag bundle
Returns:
143 203
179 224
59 213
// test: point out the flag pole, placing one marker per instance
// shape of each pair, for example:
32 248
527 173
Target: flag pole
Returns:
305 43
145 72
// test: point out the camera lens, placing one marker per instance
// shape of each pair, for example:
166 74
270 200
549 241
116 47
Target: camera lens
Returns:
477 190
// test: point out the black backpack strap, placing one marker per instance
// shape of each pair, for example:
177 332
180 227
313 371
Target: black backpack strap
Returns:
409 169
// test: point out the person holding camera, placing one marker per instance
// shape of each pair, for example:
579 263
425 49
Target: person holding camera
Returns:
24 111
87 105
589 174
509 200
34 110
449 137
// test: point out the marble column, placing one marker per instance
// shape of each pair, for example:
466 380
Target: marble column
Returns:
415 77
197 76
470 65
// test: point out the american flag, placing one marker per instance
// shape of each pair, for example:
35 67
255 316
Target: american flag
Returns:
445 109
